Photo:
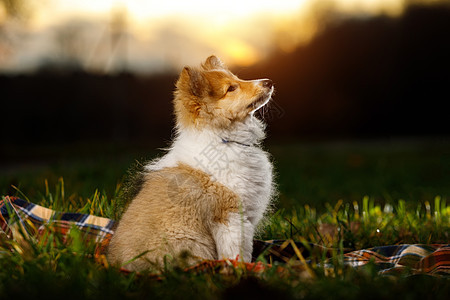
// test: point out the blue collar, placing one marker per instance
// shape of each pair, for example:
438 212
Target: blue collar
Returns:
225 141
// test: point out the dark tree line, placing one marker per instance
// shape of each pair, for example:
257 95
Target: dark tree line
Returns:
362 77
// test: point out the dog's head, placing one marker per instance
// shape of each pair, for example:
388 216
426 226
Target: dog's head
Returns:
212 96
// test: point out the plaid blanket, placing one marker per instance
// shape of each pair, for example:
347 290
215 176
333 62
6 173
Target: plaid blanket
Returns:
33 220
401 259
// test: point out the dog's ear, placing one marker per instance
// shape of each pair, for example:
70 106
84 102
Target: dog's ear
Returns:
213 62
198 85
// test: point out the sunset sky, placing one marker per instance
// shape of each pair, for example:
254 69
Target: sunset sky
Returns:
147 36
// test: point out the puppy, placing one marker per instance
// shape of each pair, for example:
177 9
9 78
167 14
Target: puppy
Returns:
206 196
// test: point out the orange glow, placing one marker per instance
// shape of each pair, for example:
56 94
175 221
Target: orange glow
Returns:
240 53
177 32
2 13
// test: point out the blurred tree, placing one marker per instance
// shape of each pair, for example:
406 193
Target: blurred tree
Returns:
71 46
13 13
118 39
14 8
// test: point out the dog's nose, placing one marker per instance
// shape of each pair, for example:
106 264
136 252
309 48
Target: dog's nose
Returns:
267 83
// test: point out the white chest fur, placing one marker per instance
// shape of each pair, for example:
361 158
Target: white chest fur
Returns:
231 157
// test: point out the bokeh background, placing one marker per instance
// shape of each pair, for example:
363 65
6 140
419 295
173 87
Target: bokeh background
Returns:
94 79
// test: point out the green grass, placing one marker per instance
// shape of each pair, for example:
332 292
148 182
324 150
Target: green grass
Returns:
350 195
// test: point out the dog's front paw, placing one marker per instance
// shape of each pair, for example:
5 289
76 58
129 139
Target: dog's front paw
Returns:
234 239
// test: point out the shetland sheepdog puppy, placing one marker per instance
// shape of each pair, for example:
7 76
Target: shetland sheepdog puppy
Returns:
206 196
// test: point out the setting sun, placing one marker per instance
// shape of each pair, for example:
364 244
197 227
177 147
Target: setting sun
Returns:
155 36
142 9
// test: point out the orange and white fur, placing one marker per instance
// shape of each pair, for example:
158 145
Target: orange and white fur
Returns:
207 195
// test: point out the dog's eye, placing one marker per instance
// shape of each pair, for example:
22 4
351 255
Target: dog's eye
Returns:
231 88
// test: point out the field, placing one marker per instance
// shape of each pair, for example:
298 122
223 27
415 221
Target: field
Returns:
395 190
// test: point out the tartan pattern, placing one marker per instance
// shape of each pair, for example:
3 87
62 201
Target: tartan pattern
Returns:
394 259
33 219
413 259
